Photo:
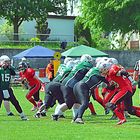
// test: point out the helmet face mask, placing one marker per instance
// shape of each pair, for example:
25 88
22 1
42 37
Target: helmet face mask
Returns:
22 66
104 68
104 72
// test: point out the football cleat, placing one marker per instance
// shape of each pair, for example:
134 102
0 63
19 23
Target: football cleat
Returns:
107 111
121 122
93 113
114 117
10 114
24 118
61 116
43 114
79 121
55 117
37 115
126 114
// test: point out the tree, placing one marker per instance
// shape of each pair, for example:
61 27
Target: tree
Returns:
112 16
17 11
81 32
42 28
7 31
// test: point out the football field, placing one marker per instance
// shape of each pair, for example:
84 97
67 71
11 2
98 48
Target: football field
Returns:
97 127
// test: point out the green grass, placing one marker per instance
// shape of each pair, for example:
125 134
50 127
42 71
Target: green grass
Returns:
95 128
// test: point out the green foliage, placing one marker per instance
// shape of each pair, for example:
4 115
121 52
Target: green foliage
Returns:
82 33
112 15
6 31
83 41
100 40
18 11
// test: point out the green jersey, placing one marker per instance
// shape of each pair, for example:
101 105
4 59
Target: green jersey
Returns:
77 73
90 73
62 72
5 77
93 78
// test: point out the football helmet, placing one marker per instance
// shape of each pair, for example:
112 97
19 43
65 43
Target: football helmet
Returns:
22 66
113 60
67 59
86 58
104 67
98 59
23 59
5 60
70 64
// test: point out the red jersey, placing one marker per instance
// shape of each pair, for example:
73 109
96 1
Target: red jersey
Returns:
121 81
29 75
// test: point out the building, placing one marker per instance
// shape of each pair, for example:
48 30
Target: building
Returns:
62 29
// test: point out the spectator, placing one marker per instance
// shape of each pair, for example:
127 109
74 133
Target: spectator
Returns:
63 45
50 70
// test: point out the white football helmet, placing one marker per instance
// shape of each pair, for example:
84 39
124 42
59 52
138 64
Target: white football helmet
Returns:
23 59
5 60
99 63
86 58
113 60
70 64
98 59
67 59
104 67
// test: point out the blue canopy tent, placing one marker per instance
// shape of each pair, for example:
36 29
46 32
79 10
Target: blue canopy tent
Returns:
35 52
38 55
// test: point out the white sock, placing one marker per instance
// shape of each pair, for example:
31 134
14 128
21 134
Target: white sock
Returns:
57 110
63 107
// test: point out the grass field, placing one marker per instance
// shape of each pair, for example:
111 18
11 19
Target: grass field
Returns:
95 128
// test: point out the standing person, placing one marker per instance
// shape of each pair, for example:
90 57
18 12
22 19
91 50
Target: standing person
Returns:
28 78
6 102
63 45
50 70
6 92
